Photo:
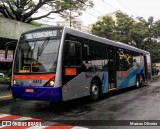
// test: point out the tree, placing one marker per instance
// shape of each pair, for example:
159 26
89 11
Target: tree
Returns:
123 28
23 10
104 28
137 32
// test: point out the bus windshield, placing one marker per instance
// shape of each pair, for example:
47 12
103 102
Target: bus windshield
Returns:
36 56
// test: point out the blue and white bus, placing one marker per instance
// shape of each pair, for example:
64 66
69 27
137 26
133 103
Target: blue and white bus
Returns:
60 64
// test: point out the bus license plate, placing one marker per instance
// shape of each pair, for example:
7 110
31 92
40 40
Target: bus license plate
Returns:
30 90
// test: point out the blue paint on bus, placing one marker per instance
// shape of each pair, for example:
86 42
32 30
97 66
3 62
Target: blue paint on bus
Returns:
105 83
37 93
130 79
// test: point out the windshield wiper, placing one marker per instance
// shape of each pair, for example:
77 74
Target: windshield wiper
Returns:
44 44
40 51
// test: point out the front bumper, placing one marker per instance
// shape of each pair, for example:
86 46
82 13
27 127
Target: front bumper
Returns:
37 93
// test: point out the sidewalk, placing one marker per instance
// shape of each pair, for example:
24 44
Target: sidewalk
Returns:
5 93
155 77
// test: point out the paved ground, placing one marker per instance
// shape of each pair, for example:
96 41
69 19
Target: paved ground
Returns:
19 122
5 93
122 106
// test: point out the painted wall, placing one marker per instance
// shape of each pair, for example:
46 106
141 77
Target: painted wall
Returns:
12 29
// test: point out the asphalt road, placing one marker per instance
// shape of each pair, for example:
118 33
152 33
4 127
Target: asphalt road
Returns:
128 105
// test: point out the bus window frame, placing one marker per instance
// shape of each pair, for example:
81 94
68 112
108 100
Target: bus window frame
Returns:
65 49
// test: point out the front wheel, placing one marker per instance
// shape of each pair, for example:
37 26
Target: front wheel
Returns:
95 90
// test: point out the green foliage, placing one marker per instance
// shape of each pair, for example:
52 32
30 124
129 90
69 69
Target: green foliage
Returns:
36 23
24 10
104 28
137 32
5 78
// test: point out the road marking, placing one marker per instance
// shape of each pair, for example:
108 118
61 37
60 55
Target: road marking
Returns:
9 117
23 118
3 115
77 127
4 118
60 126
35 127
7 96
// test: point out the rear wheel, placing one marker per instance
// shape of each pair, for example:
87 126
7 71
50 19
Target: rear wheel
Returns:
142 80
95 90
137 82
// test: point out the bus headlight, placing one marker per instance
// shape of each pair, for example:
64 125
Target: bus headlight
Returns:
51 83
14 82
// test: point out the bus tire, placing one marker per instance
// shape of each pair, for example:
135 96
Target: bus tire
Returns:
142 80
95 90
137 82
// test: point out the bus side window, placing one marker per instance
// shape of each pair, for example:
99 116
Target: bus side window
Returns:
98 56
73 54
86 56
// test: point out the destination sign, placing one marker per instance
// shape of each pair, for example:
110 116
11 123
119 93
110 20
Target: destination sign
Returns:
42 34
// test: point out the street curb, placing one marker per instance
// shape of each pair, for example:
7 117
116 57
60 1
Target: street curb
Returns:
5 83
155 77
7 100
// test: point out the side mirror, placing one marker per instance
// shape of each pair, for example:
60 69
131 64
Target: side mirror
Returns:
11 44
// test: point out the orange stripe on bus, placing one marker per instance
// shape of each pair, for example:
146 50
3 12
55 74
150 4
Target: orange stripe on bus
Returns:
39 76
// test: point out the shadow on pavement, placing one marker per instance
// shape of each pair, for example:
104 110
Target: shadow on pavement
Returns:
5 92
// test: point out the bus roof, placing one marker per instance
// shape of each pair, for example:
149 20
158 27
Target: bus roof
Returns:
104 40
91 37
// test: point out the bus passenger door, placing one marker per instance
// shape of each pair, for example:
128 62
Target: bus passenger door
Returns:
111 69
72 76
72 60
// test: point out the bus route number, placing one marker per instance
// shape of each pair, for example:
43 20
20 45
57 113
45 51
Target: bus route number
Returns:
37 81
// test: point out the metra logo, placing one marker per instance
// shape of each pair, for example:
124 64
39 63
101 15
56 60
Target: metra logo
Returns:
37 81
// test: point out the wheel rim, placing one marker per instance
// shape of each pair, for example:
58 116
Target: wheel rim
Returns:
95 90
137 83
